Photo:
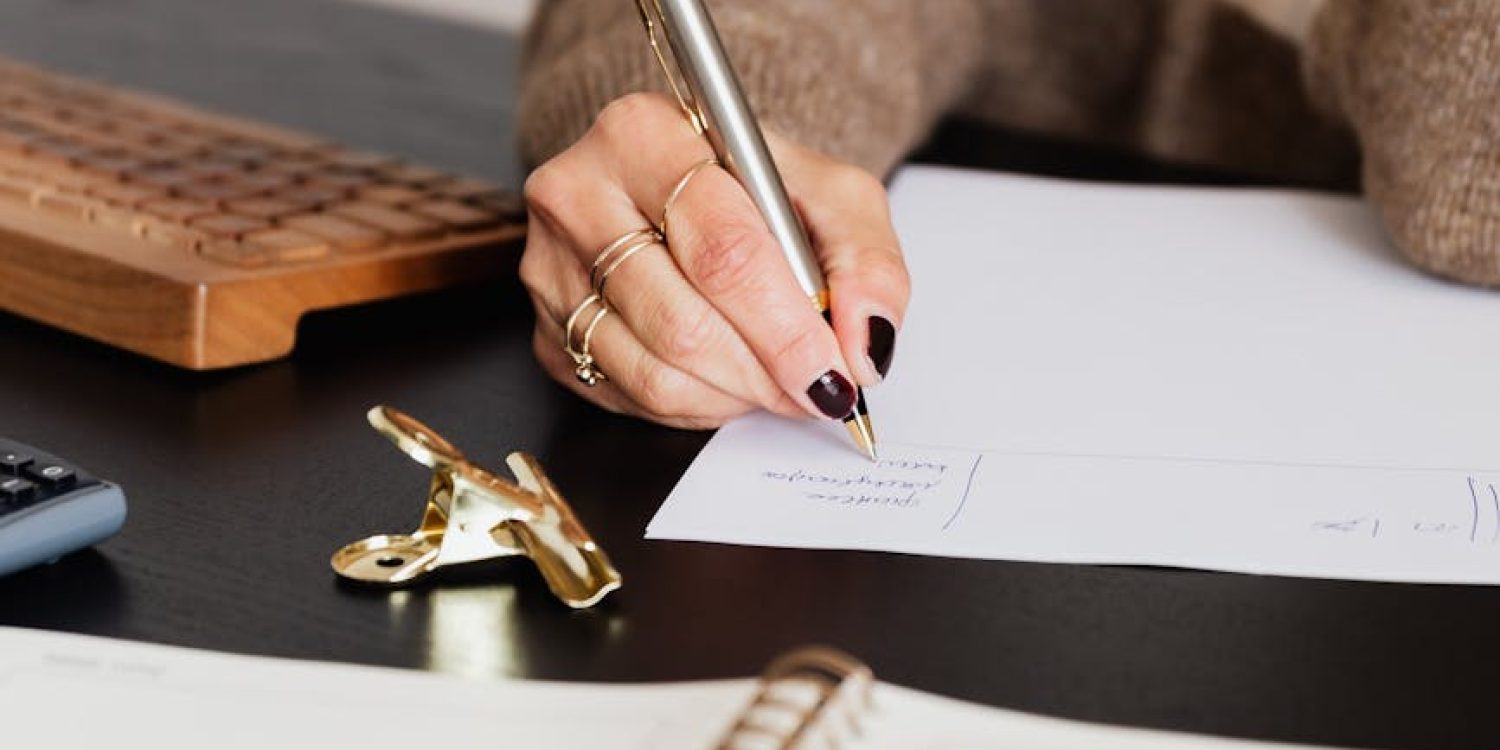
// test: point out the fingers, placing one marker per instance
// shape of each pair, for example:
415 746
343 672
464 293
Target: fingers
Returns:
848 218
723 247
680 327
716 324
721 243
580 200
637 382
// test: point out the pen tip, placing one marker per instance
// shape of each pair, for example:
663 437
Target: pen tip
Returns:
864 434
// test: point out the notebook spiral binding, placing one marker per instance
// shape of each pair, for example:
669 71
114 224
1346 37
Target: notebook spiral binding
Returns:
814 698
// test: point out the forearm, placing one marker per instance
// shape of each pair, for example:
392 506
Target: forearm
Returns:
861 80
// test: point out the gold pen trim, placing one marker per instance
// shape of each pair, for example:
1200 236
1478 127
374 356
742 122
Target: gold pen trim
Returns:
674 77
821 301
863 433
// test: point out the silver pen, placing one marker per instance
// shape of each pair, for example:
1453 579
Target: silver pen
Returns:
710 94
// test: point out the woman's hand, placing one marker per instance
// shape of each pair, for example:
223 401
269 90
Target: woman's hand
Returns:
713 325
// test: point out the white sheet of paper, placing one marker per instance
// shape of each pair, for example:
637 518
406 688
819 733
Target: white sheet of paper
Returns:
68 691
1242 380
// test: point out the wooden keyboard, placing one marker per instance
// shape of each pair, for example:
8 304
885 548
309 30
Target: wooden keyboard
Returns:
201 240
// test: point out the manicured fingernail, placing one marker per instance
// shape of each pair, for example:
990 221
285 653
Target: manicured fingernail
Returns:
832 394
882 344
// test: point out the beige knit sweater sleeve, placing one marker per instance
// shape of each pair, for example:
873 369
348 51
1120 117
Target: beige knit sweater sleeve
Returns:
863 81
1196 81
1419 83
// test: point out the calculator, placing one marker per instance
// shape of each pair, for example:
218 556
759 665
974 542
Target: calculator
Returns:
49 507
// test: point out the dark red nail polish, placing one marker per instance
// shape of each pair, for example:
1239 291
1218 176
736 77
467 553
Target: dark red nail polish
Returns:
833 395
882 344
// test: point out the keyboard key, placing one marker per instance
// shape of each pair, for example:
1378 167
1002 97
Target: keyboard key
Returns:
170 235
216 161
12 463
265 208
397 223
246 154
16 164
123 194
16 189
58 150
16 491
391 195
177 211
165 179
341 233
287 244
313 195
344 183
65 204
113 165
119 219
293 166
215 193
207 170
51 476
14 139
228 226
235 253
262 182
70 181
456 215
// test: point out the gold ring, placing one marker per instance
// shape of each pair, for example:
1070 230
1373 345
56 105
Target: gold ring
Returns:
627 254
584 367
629 243
682 184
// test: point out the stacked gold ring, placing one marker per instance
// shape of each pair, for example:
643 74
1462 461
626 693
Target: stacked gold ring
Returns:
609 260
578 345
616 253
584 367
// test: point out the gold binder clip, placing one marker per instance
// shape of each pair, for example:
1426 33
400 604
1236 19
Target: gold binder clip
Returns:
473 515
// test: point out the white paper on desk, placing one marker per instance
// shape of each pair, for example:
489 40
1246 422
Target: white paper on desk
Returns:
1241 380
67 691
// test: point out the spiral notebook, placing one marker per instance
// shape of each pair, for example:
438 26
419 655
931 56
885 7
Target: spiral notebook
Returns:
137 695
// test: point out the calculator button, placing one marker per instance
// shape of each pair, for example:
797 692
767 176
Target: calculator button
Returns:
12 462
15 490
51 476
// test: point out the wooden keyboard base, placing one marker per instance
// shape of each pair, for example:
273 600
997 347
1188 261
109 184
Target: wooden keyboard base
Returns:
196 314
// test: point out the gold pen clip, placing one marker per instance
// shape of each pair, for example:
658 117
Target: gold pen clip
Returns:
652 17
473 515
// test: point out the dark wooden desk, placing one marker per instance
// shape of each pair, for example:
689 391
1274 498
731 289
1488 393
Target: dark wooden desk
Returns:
242 483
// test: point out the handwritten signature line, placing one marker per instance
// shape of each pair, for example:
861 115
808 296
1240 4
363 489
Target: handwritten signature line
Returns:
1474 500
967 487
1495 500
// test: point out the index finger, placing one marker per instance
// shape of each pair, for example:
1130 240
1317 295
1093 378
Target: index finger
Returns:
729 255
